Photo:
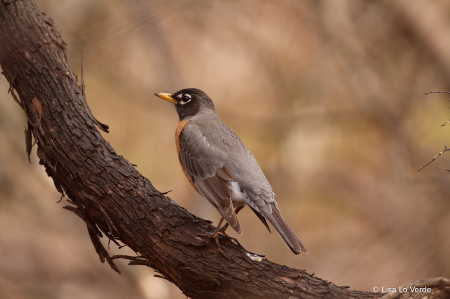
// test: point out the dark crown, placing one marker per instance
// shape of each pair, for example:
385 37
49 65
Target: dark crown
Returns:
190 101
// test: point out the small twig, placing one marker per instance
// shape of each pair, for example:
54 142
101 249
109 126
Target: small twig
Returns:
28 140
448 121
11 91
82 75
16 98
111 238
434 158
444 91
134 260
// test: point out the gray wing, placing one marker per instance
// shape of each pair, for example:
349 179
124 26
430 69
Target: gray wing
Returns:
253 182
205 164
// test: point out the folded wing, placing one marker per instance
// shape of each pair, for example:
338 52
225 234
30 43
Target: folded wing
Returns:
205 166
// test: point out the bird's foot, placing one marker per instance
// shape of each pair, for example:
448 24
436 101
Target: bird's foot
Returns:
215 235
209 235
216 231
220 230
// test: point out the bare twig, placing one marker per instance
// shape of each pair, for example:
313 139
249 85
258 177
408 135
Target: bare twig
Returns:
134 260
444 91
434 158
448 121
82 75
446 148
11 91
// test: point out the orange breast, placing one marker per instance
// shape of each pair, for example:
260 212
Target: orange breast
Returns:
180 128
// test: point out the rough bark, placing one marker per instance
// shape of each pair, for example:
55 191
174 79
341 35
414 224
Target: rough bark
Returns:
110 195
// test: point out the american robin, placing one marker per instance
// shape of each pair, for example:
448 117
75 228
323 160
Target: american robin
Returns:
221 168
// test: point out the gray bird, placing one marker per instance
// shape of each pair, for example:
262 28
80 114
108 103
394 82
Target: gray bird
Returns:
221 168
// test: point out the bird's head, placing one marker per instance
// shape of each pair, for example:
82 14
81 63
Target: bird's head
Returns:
188 102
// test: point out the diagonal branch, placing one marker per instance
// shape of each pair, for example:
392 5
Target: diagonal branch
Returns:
110 195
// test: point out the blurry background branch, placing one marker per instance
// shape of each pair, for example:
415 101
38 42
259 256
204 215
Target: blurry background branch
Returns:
328 96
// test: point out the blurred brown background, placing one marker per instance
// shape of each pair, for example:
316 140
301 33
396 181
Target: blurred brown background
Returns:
328 96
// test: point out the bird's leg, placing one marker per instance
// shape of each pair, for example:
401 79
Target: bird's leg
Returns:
224 228
215 234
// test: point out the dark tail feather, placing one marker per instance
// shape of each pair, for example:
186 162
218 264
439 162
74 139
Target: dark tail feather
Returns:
261 217
285 231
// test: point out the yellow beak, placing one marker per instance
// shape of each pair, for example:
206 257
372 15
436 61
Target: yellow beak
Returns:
167 97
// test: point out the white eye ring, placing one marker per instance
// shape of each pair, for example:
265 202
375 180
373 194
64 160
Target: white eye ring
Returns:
182 102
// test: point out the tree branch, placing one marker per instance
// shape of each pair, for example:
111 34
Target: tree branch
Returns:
111 196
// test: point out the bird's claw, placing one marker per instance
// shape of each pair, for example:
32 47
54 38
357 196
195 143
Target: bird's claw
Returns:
215 233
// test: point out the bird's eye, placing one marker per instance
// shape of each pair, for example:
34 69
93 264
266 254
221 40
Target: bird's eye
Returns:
186 98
